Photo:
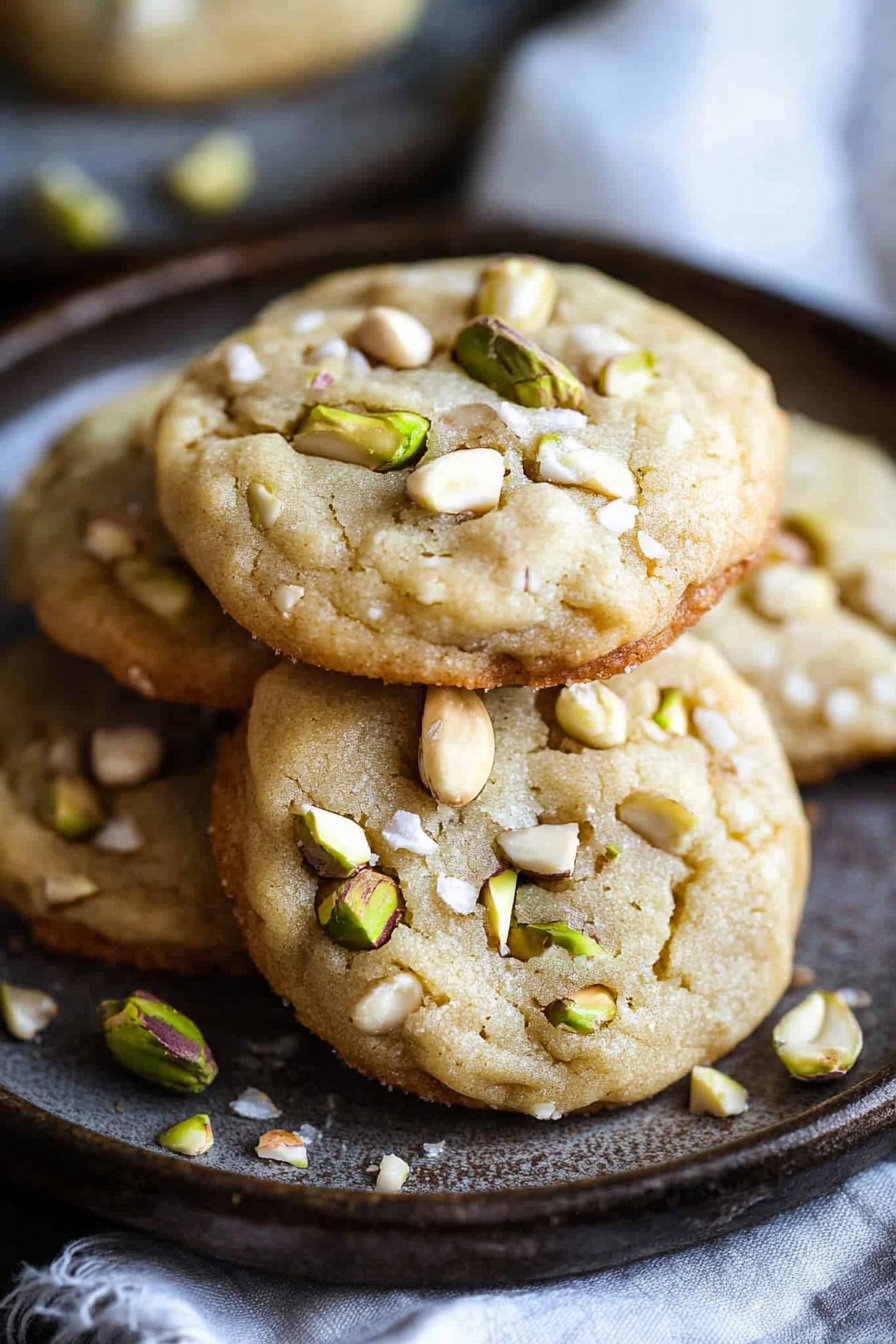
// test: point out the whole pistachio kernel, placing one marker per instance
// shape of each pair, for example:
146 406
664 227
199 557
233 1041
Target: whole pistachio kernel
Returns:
672 714
381 441
334 846
531 940
515 367
519 290
457 745
662 822
819 1039
583 1012
155 1041
71 807
626 375
499 897
590 713
188 1138
361 912
395 338
162 589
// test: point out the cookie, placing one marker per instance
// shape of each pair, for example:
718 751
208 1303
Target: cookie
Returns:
185 50
687 845
104 819
814 628
627 465
87 550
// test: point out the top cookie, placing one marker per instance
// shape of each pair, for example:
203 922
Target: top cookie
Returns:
612 499
87 550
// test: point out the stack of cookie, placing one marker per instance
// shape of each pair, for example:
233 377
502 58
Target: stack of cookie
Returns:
492 833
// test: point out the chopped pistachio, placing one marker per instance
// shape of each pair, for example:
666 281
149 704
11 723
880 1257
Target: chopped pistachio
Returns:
565 461
387 1004
189 1138
531 940
26 1012
458 894
819 1039
499 898
72 807
515 367
126 756
155 1041
585 1011
404 830
69 887
626 375
361 912
165 591
283 1145
612 852
121 835
394 337
660 821
672 714
457 745
392 1173
382 441
215 175
81 213
334 846
264 506
544 851
519 290
252 1104
110 536
590 713
715 1093
468 481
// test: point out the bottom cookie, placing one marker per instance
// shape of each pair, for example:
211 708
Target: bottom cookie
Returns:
648 896
104 817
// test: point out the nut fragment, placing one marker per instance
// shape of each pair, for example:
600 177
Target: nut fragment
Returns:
519 290
68 887
126 756
531 940
404 830
782 592
264 506
394 337
715 1093
499 898
457 745
121 835
26 1012
282 1145
387 1004
334 846
215 175
544 851
583 1012
458 894
158 1043
393 1172
165 591
672 715
189 1138
819 1039
626 375
286 596
252 1104
515 367
383 441
71 806
660 821
564 461
468 481
111 536
590 713
361 912
84 215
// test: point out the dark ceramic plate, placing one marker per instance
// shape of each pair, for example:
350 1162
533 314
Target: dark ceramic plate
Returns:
507 1198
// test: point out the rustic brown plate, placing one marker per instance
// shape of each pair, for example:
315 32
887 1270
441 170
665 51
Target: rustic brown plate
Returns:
508 1198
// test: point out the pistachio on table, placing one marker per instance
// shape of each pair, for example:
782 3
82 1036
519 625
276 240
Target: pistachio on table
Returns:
820 1039
71 806
155 1041
715 1093
26 1012
80 212
215 175
282 1145
188 1138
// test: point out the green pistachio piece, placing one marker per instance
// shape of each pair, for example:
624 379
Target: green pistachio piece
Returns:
215 175
583 1012
612 852
26 1012
672 714
819 1039
81 213
158 1043
190 1138
626 375
530 940
361 912
498 897
515 367
715 1093
334 846
382 441
72 807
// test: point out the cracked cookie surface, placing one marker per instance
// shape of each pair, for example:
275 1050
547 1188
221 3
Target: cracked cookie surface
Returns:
698 943
338 565
814 628
142 890
100 475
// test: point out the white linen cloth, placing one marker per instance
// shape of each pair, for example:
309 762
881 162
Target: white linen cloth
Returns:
753 136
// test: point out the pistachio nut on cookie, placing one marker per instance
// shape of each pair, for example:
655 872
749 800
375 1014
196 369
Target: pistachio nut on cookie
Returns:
103 819
535 901
814 628
87 550
471 473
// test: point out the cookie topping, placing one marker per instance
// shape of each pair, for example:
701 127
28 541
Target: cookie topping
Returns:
650 548
563 461
404 830
282 1145
882 689
360 913
782 591
394 337
387 1004
468 481
72 807
528 424
661 821
714 729
382 441
127 756
243 365
626 375
165 591
457 745
458 895
111 536
309 321
285 596
715 1093
392 1173
26 1012
519 290
264 506
334 846
798 690
515 367
65 889
499 898
188 1138
526 941
842 707
590 713
819 1039
121 835
543 851
672 714
618 517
